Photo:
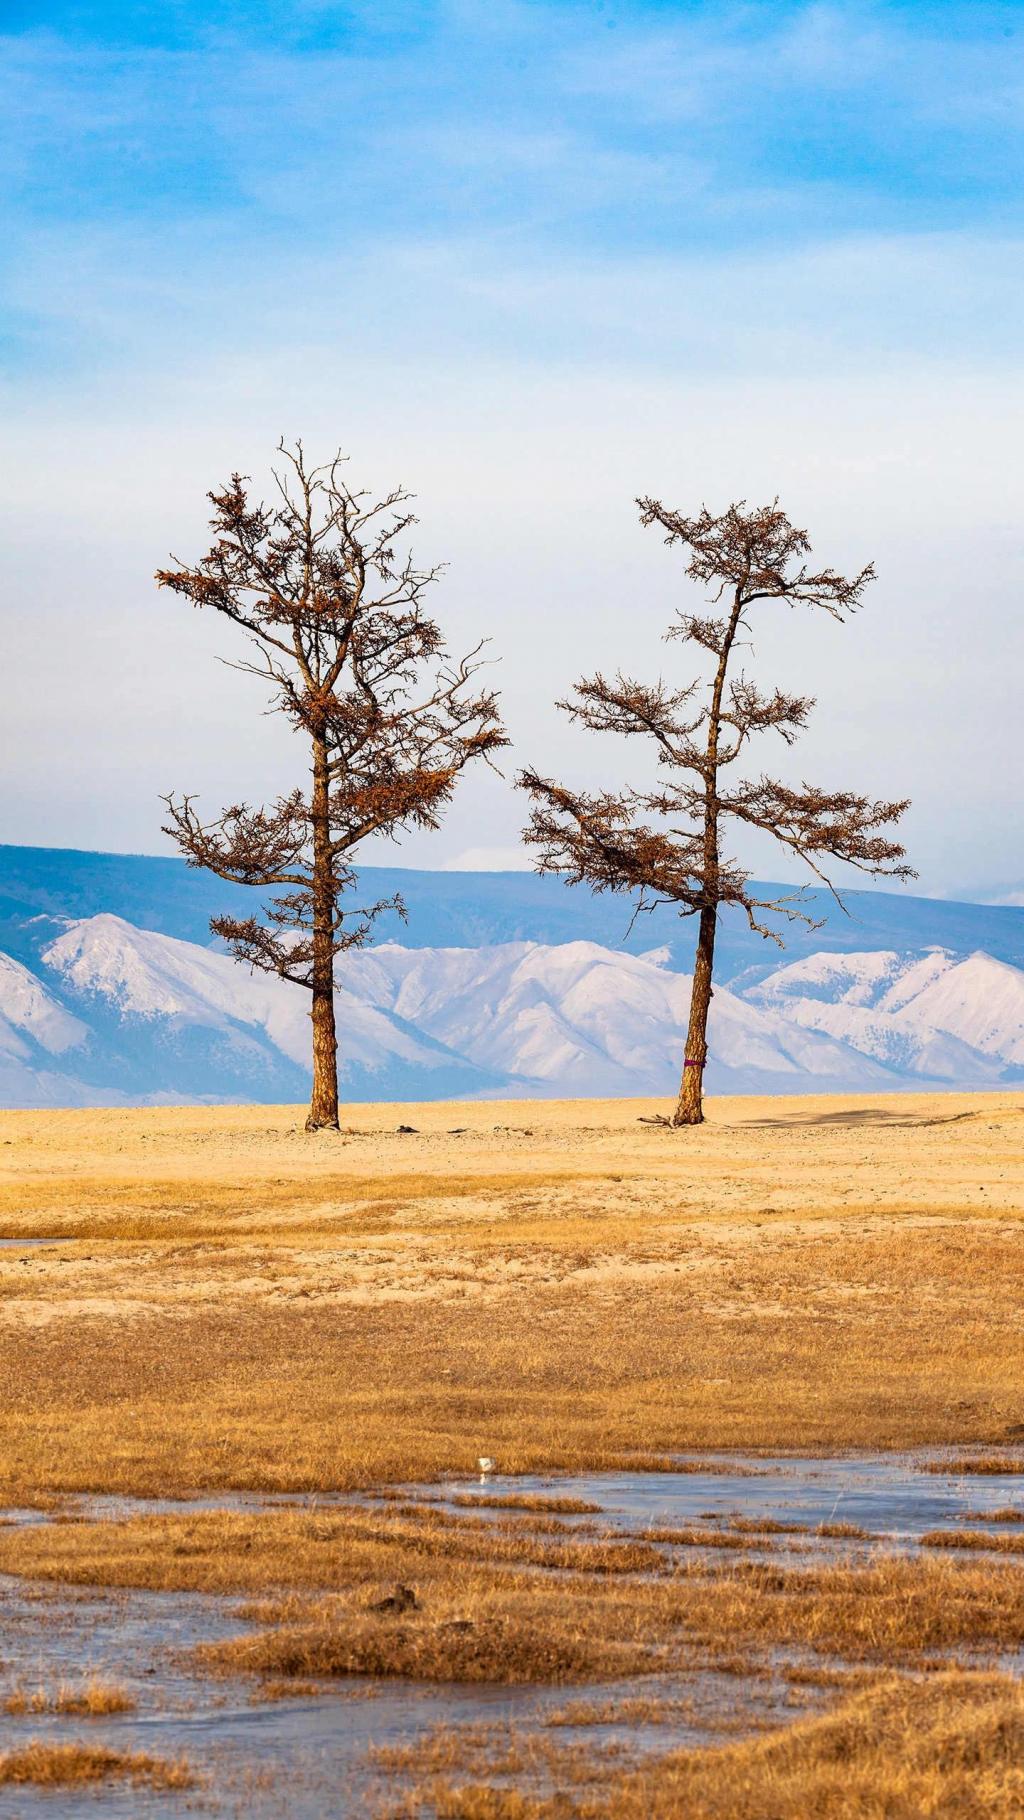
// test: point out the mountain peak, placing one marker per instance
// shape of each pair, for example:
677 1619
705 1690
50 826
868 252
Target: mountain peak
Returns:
530 988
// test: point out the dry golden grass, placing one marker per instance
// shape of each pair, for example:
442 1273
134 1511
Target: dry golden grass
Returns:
637 1709
529 1757
46 1765
973 1538
292 1689
228 1551
245 1306
492 1646
987 1465
889 1608
949 1748
525 1501
92 1699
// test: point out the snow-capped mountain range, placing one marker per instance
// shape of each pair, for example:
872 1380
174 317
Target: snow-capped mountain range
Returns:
106 1012
112 991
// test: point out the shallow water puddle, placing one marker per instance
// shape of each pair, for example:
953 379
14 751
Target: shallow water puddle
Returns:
311 1755
895 1499
313 1751
250 1754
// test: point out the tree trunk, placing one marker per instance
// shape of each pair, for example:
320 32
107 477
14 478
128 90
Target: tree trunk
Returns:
690 1105
323 1105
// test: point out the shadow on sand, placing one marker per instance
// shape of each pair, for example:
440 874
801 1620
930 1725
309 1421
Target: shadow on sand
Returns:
863 1115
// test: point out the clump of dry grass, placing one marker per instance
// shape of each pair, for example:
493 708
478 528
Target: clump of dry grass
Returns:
92 1699
497 1648
637 1709
973 1538
691 1537
526 1501
820 1674
46 1765
766 1526
288 1689
888 1608
988 1465
950 1746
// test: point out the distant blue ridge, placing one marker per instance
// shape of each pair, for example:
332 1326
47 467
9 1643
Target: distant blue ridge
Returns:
476 909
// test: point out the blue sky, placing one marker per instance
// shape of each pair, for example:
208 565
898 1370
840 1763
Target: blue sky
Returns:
531 259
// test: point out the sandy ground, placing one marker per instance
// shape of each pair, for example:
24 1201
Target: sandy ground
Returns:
475 1199
189 1142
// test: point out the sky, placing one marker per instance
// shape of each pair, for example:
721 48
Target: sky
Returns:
530 260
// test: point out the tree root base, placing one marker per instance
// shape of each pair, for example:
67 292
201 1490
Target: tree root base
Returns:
658 1118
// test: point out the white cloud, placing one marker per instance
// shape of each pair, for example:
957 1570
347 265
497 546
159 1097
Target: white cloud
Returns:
1005 898
489 859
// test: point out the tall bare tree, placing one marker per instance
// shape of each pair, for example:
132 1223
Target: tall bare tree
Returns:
743 557
340 632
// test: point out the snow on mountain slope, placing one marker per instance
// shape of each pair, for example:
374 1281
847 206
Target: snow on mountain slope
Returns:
150 976
151 1017
27 1009
851 979
923 1051
979 1000
584 1018
912 974
925 1014
35 1027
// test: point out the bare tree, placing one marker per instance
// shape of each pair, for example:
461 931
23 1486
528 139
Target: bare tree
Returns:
337 620
744 557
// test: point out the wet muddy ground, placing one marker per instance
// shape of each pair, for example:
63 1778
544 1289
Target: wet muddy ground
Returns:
311 1755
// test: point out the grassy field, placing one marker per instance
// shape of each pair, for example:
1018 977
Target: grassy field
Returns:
235 1305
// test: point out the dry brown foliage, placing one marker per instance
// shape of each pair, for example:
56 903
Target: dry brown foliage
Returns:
664 845
333 609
